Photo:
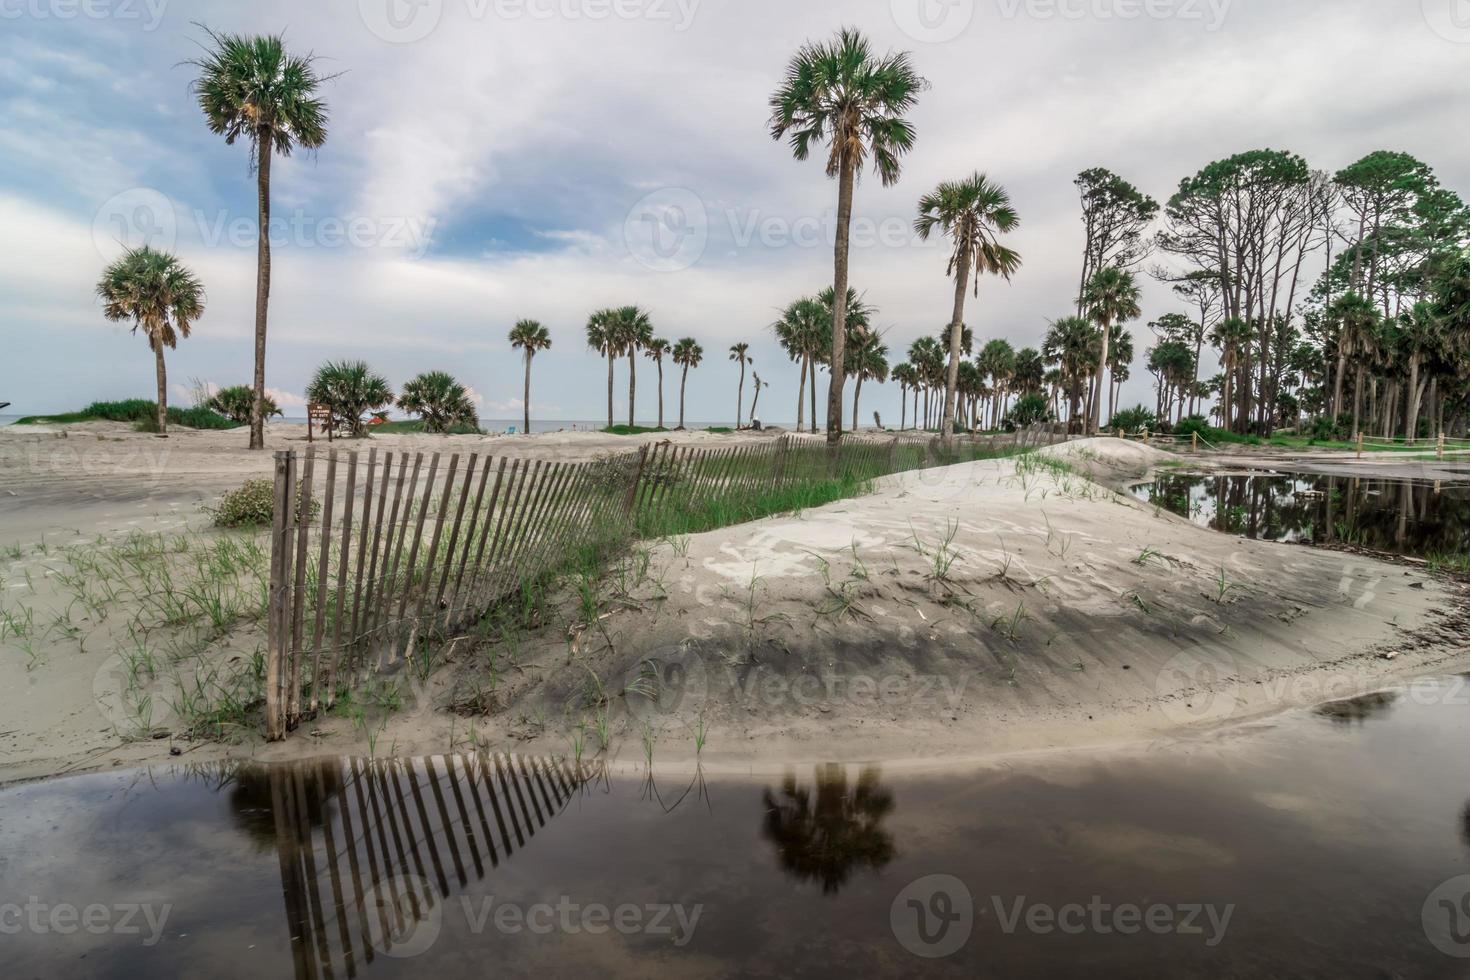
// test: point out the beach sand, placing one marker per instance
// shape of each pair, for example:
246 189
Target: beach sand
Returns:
956 614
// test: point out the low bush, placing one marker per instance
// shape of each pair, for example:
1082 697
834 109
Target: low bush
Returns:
252 504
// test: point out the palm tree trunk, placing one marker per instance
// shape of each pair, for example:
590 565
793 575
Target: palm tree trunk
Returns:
857 392
812 394
956 335
1094 419
801 395
903 409
262 283
162 390
683 383
632 383
526 402
609 389
740 395
660 364
847 176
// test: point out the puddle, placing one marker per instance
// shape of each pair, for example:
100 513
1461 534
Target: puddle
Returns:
1327 843
1410 517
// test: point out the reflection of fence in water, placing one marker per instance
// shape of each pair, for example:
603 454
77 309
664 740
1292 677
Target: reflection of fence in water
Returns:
350 833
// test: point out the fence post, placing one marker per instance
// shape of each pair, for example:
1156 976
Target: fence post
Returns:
1439 449
637 479
1360 444
279 601
1194 442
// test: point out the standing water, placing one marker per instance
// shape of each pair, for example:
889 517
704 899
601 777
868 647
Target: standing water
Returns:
1331 843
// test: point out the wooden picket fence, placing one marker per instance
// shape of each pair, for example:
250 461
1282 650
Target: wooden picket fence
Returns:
374 554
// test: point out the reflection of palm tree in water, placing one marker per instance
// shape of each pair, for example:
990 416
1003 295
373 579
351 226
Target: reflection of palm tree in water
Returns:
824 833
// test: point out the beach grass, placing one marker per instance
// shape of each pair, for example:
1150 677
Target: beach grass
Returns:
139 411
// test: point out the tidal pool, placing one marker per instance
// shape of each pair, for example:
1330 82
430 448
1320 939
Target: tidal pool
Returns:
1327 843
1411 517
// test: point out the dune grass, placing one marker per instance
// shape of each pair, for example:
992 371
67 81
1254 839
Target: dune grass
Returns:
139 411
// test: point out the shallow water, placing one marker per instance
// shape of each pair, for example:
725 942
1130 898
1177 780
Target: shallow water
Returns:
1325 843
1411 517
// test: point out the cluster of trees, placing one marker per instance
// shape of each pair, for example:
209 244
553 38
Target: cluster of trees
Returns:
354 394
627 331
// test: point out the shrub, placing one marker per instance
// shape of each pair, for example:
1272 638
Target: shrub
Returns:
349 390
442 402
234 403
141 412
1135 419
1194 424
252 504
1028 410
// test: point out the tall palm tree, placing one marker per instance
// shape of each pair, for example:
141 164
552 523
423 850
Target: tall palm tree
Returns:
602 336
928 359
997 361
1111 297
839 93
1120 359
633 329
162 298
250 87
687 354
740 353
656 350
869 360
1030 371
973 212
529 336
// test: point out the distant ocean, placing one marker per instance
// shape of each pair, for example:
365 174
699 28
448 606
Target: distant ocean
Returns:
504 425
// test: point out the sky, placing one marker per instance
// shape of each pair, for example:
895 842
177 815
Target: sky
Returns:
493 160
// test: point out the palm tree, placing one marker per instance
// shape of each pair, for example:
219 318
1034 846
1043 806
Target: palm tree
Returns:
997 361
928 359
840 94
349 389
759 384
907 378
656 350
162 298
1030 371
973 212
250 87
1071 344
602 336
634 331
1120 358
529 336
738 352
803 333
869 360
1111 297
440 400
687 354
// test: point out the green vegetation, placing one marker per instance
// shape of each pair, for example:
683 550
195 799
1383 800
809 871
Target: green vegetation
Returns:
350 390
140 411
441 402
235 402
416 426
631 430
